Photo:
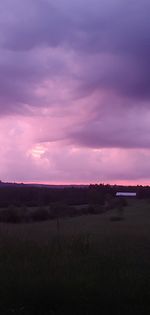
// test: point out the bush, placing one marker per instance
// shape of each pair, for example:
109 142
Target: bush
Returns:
121 202
83 211
4 204
11 214
95 209
58 210
41 214
116 218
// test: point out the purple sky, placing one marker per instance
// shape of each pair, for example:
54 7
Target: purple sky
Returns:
75 91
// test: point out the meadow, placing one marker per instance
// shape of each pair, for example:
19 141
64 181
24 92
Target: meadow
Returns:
92 265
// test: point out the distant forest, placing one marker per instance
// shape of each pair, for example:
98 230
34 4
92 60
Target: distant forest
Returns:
31 196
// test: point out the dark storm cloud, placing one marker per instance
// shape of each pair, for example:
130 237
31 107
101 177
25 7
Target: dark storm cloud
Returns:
75 80
115 127
33 23
90 28
106 45
21 74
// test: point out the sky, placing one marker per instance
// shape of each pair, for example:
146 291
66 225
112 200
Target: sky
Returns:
75 91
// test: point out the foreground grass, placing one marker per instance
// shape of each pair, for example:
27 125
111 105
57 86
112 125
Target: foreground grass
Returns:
93 267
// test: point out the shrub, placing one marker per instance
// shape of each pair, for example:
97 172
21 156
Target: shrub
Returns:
41 214
116 218
95 209
11 214
61 210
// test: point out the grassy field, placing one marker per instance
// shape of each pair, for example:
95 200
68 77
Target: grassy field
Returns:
94 266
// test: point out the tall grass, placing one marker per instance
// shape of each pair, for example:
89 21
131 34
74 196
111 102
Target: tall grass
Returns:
101 268
73 278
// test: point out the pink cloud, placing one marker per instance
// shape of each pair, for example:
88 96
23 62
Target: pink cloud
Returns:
74 91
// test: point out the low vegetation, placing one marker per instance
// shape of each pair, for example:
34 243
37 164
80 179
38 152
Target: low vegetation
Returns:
14 214
91 267
54 204
86 257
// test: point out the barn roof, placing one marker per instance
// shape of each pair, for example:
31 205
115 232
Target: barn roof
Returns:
127 194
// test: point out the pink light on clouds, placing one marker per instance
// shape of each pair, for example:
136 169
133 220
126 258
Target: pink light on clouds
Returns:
74 91
24 159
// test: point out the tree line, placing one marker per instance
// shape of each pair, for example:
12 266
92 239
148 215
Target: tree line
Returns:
42 196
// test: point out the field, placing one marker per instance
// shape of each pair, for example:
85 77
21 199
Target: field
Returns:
92 265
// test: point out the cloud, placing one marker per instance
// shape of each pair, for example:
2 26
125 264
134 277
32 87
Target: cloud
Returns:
114 126
75 80
33 23
99 46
